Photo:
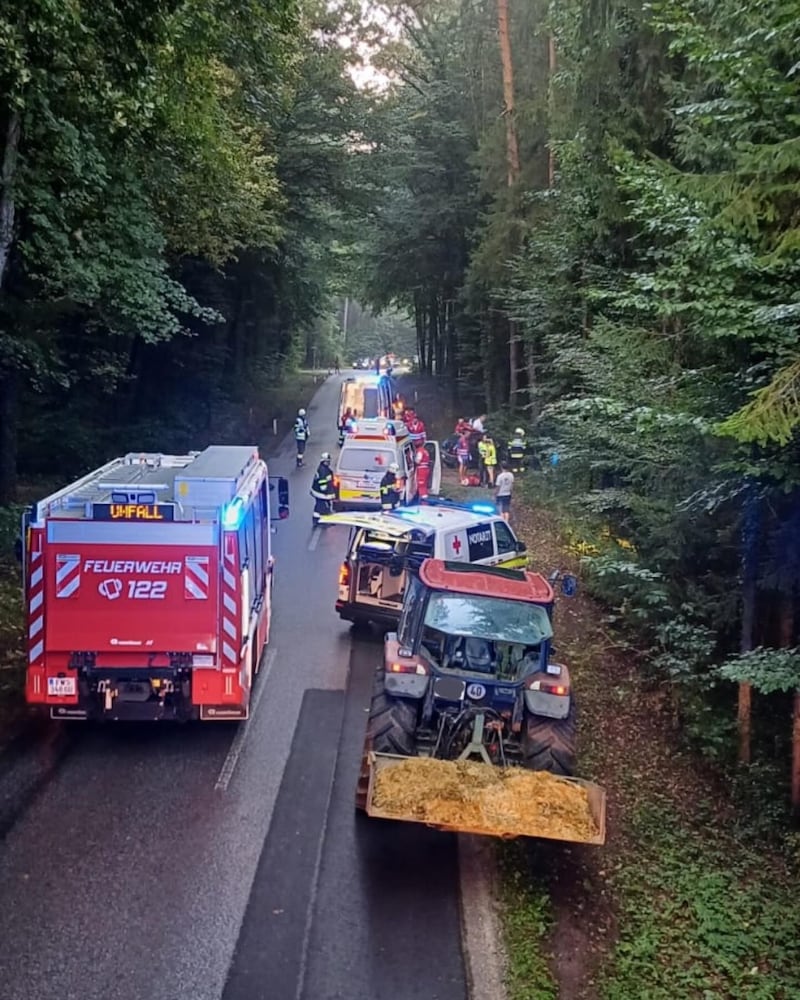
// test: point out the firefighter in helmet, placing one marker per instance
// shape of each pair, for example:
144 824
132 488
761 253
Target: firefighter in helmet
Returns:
302 433
517 448
322 489
390 488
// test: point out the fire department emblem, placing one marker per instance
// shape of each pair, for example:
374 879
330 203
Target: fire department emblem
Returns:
110 588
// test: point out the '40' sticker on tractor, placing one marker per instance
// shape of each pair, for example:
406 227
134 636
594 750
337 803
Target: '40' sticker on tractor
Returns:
476 692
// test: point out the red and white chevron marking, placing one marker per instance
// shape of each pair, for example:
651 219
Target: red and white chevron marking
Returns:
36 605
195 578
68 575
230 605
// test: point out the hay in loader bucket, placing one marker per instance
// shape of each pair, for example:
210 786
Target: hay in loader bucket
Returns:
473 797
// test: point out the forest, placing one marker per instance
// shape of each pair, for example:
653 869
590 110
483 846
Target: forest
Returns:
580 216
588 210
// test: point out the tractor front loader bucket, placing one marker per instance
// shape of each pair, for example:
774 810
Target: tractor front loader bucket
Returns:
545 820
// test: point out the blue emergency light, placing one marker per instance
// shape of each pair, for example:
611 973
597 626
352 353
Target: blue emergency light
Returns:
483 508
232 515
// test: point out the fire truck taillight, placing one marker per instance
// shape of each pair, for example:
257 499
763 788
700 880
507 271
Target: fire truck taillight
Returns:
344 575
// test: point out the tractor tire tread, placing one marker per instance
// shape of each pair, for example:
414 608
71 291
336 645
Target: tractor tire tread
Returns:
550 744
392 723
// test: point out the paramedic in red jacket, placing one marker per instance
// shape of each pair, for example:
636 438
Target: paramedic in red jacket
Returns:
422 460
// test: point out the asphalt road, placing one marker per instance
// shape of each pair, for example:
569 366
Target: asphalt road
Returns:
206 862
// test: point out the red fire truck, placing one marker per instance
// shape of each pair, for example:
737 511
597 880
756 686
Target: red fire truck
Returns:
148 586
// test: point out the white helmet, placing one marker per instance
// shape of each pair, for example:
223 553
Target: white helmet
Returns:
394 467
301 412
519 431
325 456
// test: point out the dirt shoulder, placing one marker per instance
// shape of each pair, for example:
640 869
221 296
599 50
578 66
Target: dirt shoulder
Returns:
680 902
683 902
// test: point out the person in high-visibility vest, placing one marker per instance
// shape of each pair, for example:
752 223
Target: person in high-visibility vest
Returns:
488 453
302 433
322 488
390 488
422 460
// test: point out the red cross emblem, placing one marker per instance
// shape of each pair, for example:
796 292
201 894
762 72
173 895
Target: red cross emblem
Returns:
457 544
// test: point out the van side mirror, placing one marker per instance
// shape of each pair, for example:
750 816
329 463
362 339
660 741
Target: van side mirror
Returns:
569 585
569 582
522 547
281 484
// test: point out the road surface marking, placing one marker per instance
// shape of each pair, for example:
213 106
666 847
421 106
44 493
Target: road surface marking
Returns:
314 539
481 931
237 745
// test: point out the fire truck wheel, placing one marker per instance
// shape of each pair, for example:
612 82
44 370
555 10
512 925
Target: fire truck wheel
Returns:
549 744
392 723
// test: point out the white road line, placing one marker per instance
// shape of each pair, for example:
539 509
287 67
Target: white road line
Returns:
481 931
235 751
314 539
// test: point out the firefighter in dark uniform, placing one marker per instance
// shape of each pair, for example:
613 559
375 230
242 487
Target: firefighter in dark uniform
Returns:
390 488
302 433
517 447
322 488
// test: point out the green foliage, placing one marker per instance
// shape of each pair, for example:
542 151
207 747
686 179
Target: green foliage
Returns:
700 919
185 170
527 922
768 670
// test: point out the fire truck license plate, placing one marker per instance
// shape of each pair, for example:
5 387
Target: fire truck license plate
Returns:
61 686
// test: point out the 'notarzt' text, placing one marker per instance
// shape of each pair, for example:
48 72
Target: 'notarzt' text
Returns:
154 567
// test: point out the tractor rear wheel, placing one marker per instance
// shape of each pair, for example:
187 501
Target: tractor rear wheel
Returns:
391 728
549 744
392 723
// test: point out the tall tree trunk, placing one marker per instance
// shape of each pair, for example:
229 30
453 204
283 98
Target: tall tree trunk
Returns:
512 146
513 364
7 204
9 393
512 158
551 65
419 322
750 542
786 639
533 402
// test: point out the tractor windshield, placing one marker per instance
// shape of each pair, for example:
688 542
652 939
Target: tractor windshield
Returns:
490 618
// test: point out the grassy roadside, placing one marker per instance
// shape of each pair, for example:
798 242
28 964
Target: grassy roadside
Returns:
246 420
680 904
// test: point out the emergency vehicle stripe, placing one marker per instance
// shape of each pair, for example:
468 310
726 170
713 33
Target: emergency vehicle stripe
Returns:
68 574
36 604
195 578
230 604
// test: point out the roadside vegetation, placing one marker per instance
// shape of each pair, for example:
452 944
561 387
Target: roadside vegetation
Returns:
694 894
589 213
